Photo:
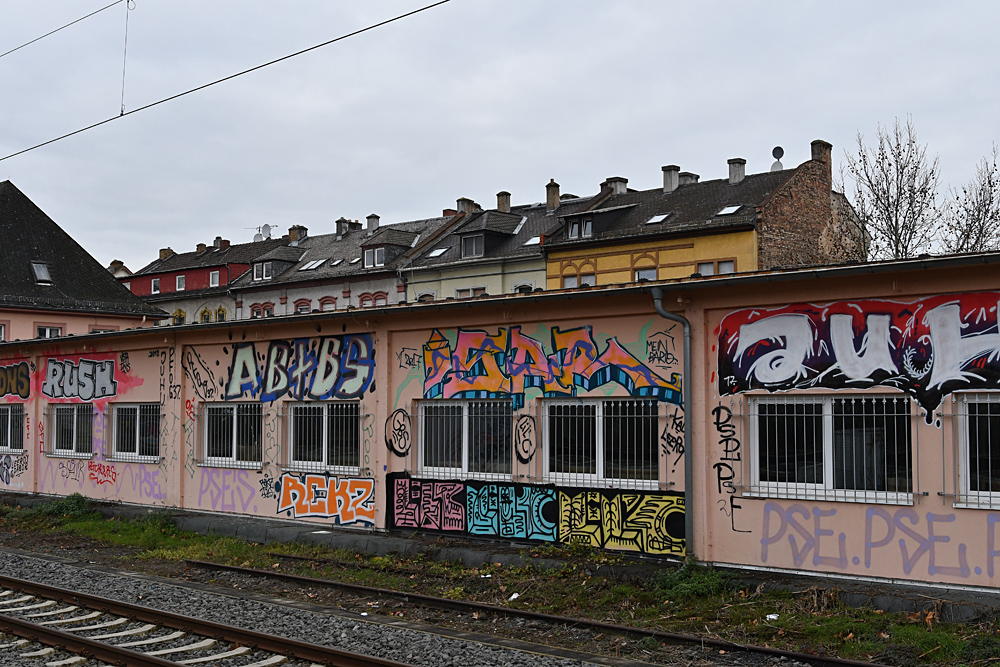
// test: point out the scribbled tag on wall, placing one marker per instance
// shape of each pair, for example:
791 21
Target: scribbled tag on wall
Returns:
927 348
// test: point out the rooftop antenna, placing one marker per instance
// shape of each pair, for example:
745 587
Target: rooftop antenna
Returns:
266 231
258 237
778 152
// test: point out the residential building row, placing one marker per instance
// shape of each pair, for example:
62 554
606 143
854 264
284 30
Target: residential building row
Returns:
744 222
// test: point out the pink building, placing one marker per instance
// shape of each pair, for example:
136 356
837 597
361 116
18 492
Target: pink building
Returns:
838 421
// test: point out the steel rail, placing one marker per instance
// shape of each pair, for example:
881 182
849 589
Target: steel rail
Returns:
290 647
458 605
90 648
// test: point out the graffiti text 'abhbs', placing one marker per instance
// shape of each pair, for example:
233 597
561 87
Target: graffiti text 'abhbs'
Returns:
319 369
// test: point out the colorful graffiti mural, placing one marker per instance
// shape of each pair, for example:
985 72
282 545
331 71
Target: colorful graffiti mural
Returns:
649 522
485 365
927 348
304 369
15 380
85 379
348 501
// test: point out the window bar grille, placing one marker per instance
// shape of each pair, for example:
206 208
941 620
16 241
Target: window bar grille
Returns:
954 454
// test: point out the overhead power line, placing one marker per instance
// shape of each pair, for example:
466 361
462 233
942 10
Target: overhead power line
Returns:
226 78
18 48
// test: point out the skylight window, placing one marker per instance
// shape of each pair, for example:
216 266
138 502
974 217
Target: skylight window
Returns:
355 260
729 210
437 252
41 271
534 240
336 262
310 266
657 218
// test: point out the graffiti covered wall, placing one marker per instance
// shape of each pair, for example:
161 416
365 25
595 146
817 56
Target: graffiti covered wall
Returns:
650 522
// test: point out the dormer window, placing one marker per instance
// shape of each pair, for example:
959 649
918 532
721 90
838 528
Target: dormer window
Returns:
581 229
374 257
472 246
41 271
262 271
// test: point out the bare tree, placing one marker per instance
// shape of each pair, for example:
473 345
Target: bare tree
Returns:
894 192
973 223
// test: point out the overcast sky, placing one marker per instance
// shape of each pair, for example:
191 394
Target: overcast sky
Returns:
464 100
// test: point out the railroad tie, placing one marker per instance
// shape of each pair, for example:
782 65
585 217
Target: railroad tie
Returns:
48 650
24 598
68 662
39 605
141 630
270 662
153 640
100 626
43 614
15 644
242 650
197 646
75 619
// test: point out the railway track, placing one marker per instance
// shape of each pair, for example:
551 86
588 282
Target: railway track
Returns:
121 633
447 604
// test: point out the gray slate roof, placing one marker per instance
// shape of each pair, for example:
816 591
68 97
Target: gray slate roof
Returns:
79 282
351 246
242 253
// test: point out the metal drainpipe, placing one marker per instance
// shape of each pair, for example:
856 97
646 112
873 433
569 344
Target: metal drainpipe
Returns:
686 383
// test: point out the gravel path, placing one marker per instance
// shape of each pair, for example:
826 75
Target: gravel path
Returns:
407 646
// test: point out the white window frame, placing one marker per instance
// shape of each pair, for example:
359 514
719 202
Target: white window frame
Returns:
47 332
966 497
117 454
12 423
639 274
232 459
179 282
75 452
462 471
599 477
374 257
154 286
41 273
478 245
213 279
303 308
826 490
345 408
3 332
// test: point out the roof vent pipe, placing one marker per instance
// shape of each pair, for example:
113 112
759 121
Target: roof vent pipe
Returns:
372 223
670 177
687 381
503 201
737 170
551 195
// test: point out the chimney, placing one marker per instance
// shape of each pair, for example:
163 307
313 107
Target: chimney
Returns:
821 150
466 205
201 247
552 195
342 226
297 233
372 223
670 179
223 244
737 170
217 242
503 201
448 212
115 265
165 252
687 178
617 185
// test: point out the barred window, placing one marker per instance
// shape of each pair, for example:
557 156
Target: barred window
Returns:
461 438
325 436
588 442
137 431
12 428
233 434
832 447
73 430
979 448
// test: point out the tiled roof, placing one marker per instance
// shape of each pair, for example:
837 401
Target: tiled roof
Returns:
330 248
79 282
694 207
242 253
390 235
491 221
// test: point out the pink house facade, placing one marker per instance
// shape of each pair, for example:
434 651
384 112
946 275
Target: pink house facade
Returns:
838 422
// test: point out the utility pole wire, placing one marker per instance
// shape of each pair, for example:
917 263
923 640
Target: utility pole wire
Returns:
226 78
7 53
129 6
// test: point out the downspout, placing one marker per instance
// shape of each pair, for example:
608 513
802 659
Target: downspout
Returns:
688 415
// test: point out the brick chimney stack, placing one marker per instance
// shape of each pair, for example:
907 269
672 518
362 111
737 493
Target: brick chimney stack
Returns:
551 195
670 177
503 201
297 233
466 205
737 170
165 252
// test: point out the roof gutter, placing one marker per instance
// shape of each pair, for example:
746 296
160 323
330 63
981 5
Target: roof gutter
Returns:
688 412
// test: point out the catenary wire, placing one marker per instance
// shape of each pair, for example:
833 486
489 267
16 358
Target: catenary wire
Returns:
7 53
226 78
129 6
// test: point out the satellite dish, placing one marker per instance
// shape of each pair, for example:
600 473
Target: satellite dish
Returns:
266 231
258 237
777 153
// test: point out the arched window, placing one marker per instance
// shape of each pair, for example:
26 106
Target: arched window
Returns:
220 314
303 306
206 316
522 289
179 316
426 297
267 310
381 298
365 300
328 303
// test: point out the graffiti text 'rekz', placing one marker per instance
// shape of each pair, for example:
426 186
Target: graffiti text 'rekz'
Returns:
318 369
485 365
